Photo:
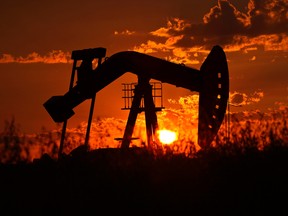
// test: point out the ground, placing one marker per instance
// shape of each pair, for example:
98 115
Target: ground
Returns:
136 183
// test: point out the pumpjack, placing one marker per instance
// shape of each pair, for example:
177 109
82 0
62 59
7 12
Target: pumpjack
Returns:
211 81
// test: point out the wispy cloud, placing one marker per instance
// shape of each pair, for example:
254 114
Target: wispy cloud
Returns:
124 32
253 58
54 57
175 24
242 99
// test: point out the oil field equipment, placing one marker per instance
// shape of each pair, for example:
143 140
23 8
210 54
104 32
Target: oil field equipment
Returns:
211 82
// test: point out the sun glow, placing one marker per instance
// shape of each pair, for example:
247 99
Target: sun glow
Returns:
167 136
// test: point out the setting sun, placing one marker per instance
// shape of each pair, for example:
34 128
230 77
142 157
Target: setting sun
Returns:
167 136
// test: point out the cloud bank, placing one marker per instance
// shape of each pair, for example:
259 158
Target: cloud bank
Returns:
54 57
263 26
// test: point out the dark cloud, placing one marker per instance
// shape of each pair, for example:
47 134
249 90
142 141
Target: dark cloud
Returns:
268 17
224 21
242 99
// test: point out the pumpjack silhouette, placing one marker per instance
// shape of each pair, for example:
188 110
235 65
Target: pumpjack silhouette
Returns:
211 81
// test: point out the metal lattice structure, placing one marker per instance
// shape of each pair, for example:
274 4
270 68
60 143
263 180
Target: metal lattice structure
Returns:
129 92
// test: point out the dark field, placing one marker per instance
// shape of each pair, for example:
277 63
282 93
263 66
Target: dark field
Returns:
115 182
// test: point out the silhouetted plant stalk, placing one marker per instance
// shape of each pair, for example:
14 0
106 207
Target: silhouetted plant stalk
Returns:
249 131
254 132
16 146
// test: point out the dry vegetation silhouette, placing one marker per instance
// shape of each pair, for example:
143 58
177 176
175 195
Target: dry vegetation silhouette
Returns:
244 175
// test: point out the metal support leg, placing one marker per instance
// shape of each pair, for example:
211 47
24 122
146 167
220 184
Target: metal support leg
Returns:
91 115
150 117
65 122
132 118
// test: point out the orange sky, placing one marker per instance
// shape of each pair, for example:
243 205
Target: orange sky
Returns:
37 38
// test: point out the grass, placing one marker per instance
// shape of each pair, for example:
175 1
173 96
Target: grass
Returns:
135 183
244 175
